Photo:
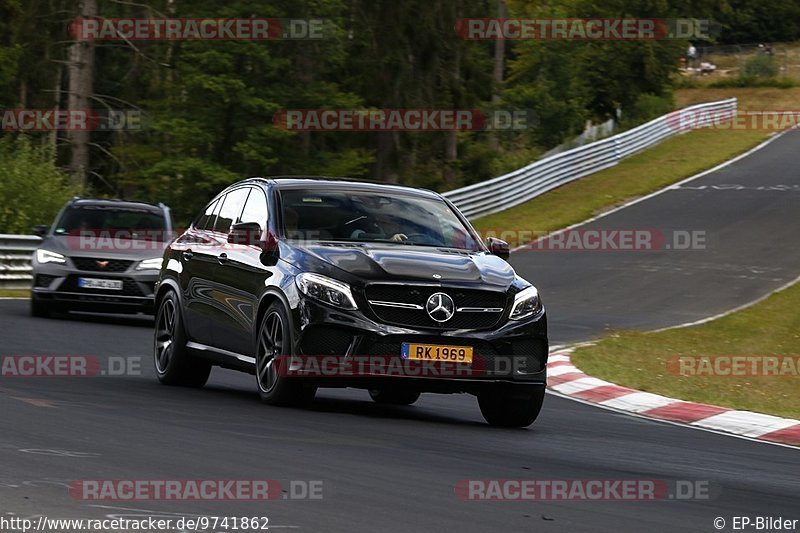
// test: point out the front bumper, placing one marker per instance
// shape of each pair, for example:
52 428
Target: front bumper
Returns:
58 286
348 348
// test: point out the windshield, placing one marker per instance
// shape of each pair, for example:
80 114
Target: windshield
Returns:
119 223
365 216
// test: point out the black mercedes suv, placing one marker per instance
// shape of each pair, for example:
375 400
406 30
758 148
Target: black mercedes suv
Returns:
100 256
317 282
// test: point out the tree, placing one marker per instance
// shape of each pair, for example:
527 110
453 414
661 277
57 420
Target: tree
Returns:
32 187
81 83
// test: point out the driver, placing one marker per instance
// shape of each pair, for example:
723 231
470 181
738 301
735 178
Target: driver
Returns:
363 232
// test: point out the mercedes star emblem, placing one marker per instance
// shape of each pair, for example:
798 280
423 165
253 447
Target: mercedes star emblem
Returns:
440 307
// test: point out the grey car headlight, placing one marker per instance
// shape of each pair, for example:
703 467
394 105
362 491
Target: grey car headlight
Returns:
46 256
327 290
526 303
150 264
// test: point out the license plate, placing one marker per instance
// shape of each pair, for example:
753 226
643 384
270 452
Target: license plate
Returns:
436 352
107 284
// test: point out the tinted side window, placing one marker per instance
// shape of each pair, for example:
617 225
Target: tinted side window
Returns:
231 209
255 210
202 221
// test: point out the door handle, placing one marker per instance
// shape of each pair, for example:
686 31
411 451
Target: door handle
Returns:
223 258
187 255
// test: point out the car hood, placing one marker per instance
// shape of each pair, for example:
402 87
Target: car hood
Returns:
388 262
105 248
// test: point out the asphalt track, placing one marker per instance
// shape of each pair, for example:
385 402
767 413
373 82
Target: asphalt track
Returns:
749 215
394 469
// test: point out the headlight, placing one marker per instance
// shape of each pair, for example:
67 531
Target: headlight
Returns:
46 256
326 290
526 303
150 264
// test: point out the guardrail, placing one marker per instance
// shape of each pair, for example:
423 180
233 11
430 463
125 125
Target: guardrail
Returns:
526 183
482 198
15 260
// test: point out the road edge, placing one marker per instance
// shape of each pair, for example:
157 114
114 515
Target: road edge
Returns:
565 379
773 137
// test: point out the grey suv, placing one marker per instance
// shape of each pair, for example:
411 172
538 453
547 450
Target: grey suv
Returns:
100 256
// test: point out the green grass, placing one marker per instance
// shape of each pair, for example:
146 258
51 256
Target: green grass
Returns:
15 293
666 163
639 360
750 98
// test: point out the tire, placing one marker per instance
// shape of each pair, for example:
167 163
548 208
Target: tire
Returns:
394 396
511 409
40 309
274 339
173 362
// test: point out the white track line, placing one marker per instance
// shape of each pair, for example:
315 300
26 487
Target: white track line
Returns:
731 311
749 152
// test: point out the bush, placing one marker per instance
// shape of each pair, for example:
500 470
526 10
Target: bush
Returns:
33 189
760 66
646 107
685 82
751 81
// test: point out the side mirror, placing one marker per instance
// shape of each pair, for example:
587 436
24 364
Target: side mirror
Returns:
247 233
251 234
40 230
498 247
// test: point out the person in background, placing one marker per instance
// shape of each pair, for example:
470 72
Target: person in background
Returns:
691 56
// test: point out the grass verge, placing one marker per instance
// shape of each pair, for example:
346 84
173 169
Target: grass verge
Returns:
15 293
643 173
750 98
640 360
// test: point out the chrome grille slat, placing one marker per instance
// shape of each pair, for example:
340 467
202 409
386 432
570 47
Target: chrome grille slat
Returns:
404 305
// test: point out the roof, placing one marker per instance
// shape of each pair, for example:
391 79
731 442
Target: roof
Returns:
121 204
297 182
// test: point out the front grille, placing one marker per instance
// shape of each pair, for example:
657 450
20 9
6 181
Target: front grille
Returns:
129 288
43 280
325 340
151 286
530 355
96 264
419 318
